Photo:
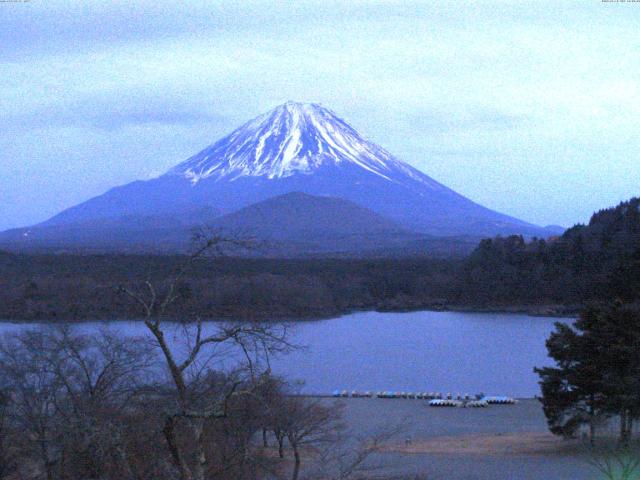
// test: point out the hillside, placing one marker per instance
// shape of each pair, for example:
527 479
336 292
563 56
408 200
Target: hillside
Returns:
298 222
596 261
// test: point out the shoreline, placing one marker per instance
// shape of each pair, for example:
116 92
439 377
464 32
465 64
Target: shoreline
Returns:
332 396
546 310
543 310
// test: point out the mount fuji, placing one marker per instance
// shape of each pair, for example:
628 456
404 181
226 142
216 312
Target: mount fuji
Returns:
296 147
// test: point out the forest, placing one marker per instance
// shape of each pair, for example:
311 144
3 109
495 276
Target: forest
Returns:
593 262
588 263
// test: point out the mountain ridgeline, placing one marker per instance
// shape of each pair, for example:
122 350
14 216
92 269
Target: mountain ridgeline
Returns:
594 262
293 153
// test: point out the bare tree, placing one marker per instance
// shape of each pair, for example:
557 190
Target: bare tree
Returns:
350 457
316 433
192 409
71 394
33 388
95 406
5 454
100 376
353 462
310 423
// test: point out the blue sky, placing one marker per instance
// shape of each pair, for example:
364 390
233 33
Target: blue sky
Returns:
530 108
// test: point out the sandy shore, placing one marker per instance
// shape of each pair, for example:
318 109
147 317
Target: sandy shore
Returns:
521 443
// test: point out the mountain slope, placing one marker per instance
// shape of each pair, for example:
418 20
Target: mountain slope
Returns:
306 148
160 233
293 148
290 225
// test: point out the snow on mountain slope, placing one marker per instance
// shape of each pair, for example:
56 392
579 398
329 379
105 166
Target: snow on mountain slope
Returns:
294 138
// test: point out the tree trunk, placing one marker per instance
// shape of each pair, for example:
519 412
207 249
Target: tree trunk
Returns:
176 454
592 422
126 465
63 464
49 470
48 464
200 459
624 426
296 456
265 444
280 445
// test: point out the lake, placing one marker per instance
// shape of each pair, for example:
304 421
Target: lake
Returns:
416 351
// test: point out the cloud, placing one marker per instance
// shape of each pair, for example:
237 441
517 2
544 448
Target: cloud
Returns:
115 120
103 112
465 120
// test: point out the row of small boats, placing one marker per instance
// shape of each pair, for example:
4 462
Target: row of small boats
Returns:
436 399
387 394
458 403
475 403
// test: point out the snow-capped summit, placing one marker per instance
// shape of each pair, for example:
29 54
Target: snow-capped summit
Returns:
293 138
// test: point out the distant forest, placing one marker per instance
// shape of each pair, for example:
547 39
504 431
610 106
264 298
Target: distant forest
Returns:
593 262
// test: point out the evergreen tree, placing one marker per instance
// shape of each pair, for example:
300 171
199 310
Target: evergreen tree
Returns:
571 391
597 371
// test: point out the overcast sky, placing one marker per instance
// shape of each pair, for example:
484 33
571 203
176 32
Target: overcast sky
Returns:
530 108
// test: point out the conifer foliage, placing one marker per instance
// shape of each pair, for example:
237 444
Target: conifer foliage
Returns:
597 372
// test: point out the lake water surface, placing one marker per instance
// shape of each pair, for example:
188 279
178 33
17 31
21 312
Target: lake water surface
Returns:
417 351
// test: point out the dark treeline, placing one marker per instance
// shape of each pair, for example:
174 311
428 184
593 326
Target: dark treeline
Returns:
587 263
85 287
591 262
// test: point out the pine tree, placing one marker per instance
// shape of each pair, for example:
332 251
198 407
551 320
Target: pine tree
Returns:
597 371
